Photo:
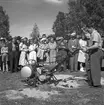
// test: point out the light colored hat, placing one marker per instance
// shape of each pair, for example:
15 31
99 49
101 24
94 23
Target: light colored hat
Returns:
59 38
73 34
22 38
1 38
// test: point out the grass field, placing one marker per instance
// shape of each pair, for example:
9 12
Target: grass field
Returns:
11 87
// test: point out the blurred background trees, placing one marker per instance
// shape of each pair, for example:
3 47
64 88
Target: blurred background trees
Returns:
81 13
4 24
58 26
35 32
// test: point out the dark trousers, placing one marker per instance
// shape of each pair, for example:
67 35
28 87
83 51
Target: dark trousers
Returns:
94 72
18 56
1 62
74 63
61 55
13 58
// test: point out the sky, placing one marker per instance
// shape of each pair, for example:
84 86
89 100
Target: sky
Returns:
23 14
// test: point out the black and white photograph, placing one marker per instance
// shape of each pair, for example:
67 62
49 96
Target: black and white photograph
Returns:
51 52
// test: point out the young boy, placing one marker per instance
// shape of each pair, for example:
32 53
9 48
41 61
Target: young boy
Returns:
4 53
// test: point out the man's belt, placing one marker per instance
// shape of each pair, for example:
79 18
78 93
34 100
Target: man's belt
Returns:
63 49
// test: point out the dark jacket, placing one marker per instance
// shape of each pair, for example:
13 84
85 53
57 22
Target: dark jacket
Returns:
74 43
10 47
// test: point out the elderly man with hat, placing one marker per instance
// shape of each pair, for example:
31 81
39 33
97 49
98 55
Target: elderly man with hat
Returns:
73 45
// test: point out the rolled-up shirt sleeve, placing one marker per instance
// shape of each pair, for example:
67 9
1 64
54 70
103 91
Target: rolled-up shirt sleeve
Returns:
95 37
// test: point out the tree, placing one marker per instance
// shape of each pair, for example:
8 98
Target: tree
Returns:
59 26
35 33
88 12
81 13
95 11
68 22
4 24
77 14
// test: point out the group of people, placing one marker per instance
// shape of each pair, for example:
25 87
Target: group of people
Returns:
86 49
42 51
17 53
90 53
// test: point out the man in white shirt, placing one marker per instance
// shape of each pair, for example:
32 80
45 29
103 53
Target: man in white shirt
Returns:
95 57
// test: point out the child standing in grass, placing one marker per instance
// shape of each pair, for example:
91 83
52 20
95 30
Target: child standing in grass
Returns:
4 53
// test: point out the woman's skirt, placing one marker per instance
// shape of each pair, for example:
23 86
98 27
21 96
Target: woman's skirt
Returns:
23 60
32 56
81 57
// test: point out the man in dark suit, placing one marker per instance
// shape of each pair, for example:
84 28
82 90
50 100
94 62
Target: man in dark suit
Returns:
13 49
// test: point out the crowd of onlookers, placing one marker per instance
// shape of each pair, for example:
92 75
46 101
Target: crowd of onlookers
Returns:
14 54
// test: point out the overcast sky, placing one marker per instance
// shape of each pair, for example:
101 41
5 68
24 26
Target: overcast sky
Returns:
25 13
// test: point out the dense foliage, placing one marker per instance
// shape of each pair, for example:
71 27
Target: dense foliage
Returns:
4 24
58 26
81 13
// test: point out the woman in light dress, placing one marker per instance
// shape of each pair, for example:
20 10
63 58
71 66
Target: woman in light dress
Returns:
82 55
23 55
32 52
52 47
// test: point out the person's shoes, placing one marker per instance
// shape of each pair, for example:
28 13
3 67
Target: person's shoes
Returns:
98 86
82 69
87 80
12 71
71 71
86 75
3 71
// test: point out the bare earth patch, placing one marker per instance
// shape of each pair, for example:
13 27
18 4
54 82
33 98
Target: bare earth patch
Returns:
72 90
30 93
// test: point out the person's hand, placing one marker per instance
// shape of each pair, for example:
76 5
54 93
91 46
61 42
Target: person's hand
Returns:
73 47
84 49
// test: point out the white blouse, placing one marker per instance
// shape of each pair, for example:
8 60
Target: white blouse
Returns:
32 47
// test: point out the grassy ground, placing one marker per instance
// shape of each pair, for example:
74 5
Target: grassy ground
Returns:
80 96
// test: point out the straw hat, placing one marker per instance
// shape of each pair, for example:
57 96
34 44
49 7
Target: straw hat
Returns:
59 38
43 39
1 38
73 34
